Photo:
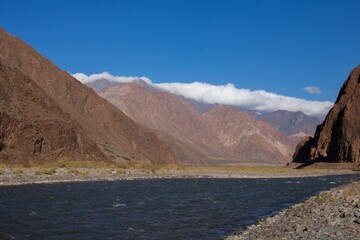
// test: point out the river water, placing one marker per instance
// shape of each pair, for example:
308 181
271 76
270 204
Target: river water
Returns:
149 209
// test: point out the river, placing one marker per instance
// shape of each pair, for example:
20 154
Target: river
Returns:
149 209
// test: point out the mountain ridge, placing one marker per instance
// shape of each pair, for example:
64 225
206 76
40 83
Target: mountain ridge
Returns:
294 124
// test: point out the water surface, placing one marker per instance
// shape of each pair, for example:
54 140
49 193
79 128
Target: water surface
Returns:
149 209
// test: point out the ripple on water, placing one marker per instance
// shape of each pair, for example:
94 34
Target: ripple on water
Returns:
116 205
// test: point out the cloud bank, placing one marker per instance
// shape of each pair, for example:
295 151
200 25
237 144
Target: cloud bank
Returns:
256 100
105 75
228 94
312 90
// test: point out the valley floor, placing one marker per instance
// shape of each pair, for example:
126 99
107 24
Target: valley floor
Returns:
41 174
333 214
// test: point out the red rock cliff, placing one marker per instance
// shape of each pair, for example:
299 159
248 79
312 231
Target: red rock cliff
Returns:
337 139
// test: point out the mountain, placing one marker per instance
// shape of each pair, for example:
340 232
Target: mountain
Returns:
295 124
219 135
177 121
337 139
32 124
47 109
244 136
101 85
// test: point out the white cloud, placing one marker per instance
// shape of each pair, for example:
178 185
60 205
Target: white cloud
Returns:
105 75
228 94
312 90
259 100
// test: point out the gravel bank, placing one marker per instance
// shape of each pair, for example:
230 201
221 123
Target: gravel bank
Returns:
33 175
333 214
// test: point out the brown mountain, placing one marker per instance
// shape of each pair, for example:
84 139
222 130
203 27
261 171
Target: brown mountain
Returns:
32 124
337 139
221 135
58 113
241 134
101 85
176 120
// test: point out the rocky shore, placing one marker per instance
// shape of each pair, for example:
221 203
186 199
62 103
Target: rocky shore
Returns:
333 214
19 176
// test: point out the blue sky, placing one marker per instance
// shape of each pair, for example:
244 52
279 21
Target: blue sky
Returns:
277 46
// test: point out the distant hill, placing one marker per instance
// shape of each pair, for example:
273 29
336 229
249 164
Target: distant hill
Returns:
101 85
45 112
337 139
292 123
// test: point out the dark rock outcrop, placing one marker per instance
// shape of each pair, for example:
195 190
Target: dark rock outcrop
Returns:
337 139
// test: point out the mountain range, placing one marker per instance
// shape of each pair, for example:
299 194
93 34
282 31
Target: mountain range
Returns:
294 124
201 133
47 114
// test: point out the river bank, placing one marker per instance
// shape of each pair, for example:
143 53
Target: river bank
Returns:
333 214
19 176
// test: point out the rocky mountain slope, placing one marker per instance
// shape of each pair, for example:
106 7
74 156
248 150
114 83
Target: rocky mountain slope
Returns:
56 113
242 135
32 124
292 123
177 122
337 139
218 136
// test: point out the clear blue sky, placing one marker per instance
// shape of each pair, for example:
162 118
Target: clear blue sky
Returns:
277 46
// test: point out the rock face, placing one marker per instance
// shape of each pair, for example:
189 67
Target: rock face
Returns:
221 135
337 139
45 110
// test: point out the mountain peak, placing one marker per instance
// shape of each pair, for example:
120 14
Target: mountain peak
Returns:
151 88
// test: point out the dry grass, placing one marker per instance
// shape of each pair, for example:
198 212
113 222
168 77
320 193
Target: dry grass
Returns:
353 189
2 169
18 171
45 170
334 201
